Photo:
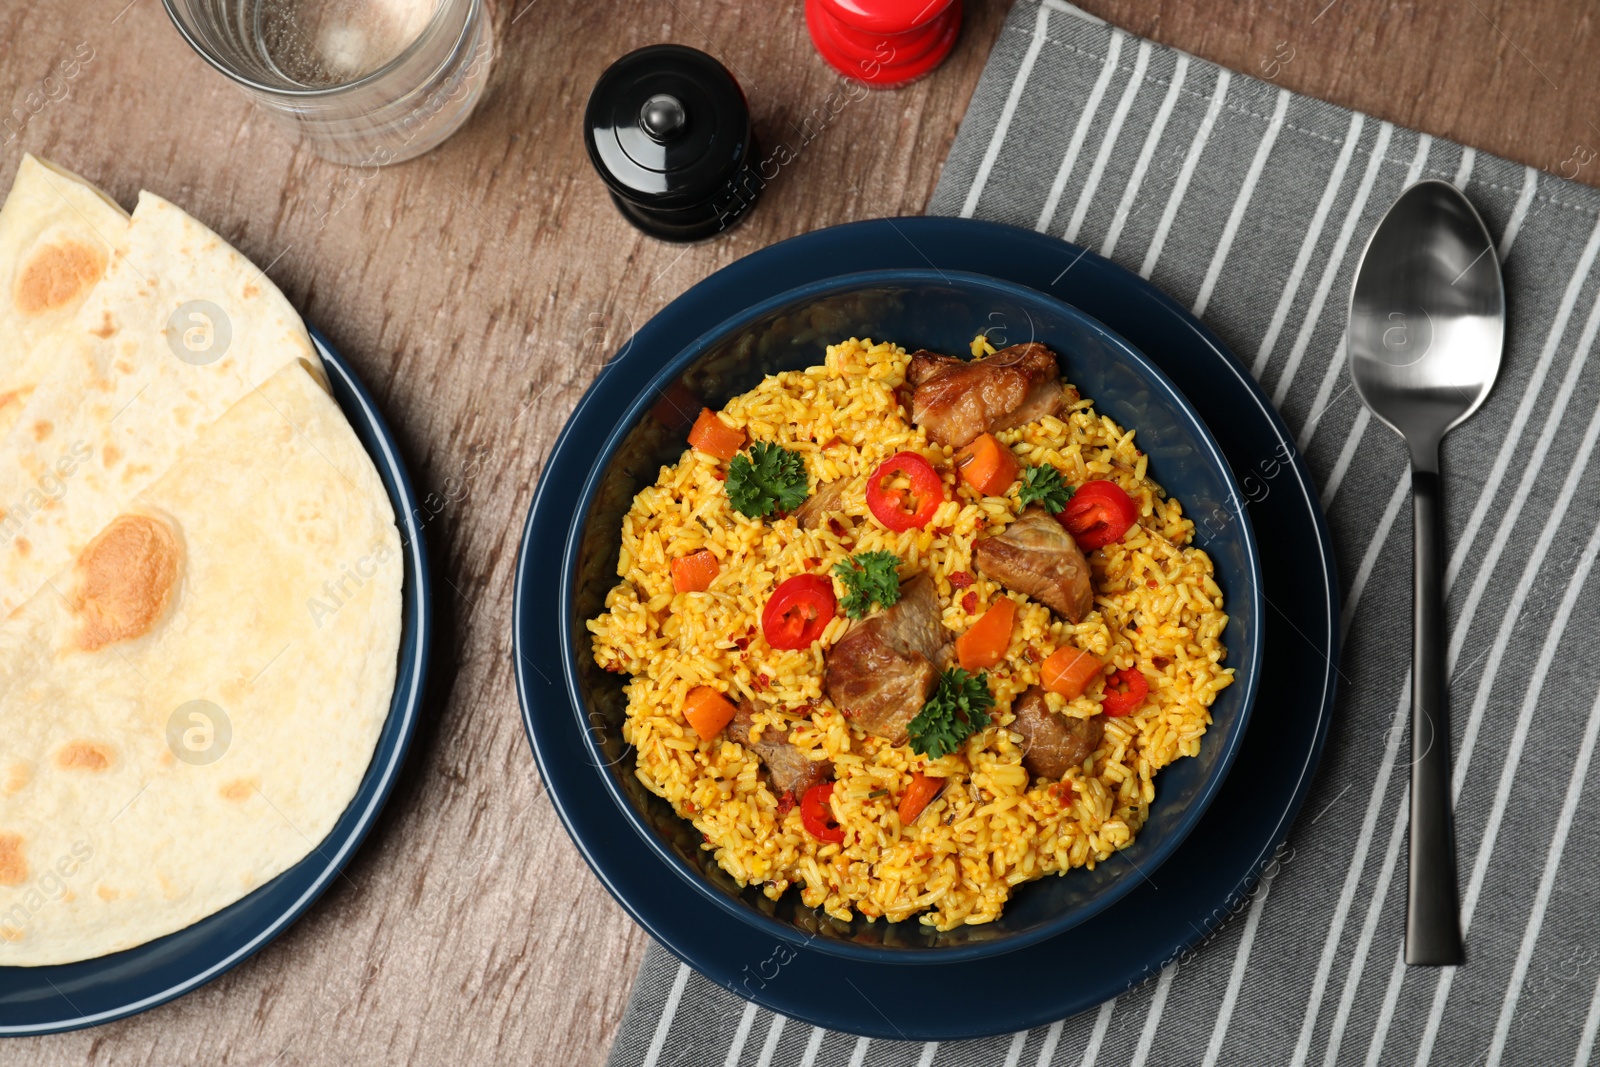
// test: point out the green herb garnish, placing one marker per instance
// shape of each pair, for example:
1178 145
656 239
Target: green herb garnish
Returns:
1043 485
770 478
869 576
958 709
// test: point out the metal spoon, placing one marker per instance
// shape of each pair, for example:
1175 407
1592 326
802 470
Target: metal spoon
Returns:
1427 326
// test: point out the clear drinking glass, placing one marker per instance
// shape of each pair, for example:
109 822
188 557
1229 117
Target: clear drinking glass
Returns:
368 82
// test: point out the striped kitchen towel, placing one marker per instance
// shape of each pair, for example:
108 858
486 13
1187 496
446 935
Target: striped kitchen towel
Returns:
1252 205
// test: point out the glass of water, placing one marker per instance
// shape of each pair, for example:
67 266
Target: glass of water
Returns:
368 82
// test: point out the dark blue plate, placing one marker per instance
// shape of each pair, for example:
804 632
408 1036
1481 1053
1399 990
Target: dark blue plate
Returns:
1213 868
42 1000
939 310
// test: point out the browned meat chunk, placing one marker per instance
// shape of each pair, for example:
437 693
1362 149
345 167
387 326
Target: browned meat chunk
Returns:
788 768
1053 744
955 400
821 505
925 364
884 669
1037 557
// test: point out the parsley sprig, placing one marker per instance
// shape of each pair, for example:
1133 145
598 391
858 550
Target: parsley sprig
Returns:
869 576
958 709
770 478
1043 485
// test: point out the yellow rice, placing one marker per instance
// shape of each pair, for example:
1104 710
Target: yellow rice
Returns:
1157 609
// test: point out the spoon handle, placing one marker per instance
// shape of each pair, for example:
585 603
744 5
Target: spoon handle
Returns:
1433 927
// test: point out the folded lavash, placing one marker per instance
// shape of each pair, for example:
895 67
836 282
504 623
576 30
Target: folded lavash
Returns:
179 329
198 647
58 236
182 729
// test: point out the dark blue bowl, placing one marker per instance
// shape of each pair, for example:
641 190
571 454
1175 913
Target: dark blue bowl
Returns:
41 1000
939 310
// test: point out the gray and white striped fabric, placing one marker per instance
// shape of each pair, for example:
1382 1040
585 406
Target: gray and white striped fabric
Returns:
1252 205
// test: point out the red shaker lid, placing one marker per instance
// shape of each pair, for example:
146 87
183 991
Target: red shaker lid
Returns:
884 43
887 16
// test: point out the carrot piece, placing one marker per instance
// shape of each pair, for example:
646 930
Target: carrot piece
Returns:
714 437
987 465
1069 670
918 795
693 573
985 643
708 711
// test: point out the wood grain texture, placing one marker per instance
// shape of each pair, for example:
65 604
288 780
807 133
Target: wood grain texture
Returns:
477 290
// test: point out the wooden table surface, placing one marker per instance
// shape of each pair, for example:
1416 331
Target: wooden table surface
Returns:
477 290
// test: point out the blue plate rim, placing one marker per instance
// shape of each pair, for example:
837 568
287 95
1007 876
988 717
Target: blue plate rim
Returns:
408 703
1249 673
1243 876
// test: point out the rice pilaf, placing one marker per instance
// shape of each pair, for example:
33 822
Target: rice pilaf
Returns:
1157 610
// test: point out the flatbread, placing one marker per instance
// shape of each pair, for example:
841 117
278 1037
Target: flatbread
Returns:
58 237
179 329
188 706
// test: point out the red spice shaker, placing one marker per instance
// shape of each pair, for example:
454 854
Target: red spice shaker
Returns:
884 43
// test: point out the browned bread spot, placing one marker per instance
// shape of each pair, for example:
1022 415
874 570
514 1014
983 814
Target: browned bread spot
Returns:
18 775
13 867
83 756
238 790
57 275
126 576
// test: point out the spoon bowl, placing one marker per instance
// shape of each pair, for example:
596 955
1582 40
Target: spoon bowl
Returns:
1426 332
1427 317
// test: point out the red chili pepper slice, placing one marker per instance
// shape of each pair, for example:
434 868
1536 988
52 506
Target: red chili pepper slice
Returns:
817 815
798 610
904 492
1098 514
1125 691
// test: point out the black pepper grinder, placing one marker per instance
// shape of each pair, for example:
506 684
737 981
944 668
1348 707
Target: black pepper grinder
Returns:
668 129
